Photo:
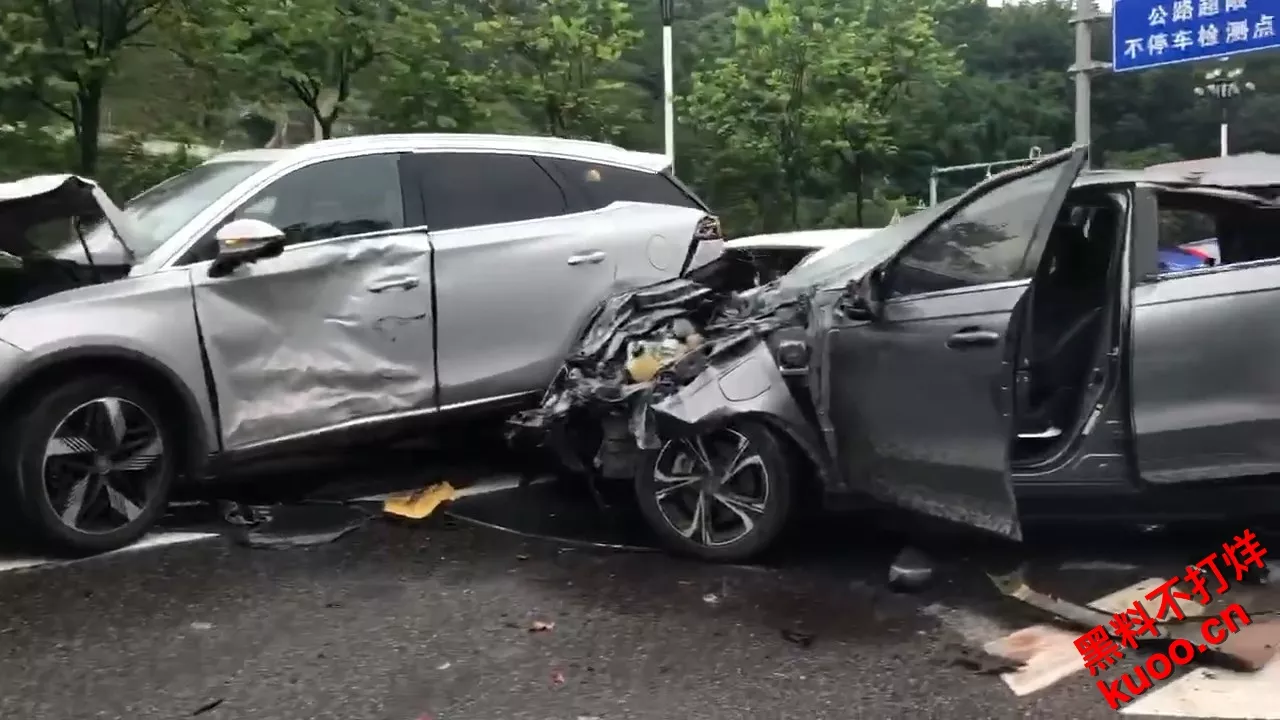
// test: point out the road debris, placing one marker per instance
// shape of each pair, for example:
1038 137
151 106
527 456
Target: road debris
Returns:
418 504
1246 650
982 662
798 637
541 626
201 626
290 526
910 571
557 678
711 599
211 705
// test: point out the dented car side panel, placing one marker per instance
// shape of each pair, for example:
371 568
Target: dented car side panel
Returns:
331 332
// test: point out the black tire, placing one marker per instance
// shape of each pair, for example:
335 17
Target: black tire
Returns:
769 474
135 447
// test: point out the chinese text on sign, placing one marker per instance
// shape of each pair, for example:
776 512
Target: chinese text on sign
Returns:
1148 33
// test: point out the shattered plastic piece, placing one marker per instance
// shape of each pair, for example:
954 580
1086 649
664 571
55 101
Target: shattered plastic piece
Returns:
444 666
910 571
418 504
243 515
302 525
212 704
798 637
711 599
541 626
557 678
201 626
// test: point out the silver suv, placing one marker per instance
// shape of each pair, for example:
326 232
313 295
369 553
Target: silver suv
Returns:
270 301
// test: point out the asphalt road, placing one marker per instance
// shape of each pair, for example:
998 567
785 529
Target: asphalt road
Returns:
437 620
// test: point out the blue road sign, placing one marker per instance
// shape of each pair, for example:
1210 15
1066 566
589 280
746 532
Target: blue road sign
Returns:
1151 33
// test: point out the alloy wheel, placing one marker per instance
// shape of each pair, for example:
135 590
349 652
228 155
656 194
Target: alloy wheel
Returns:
103 465
712 489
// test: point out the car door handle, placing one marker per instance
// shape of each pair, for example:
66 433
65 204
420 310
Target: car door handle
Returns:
591 258
408 283
973 337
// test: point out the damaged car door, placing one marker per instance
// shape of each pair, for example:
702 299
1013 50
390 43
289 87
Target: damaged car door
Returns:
336 330
919 397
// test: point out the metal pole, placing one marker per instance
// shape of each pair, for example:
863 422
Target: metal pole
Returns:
1084 59
933 187
1084 68
1222 137
668 83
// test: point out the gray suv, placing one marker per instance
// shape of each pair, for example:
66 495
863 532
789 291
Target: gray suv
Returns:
271 301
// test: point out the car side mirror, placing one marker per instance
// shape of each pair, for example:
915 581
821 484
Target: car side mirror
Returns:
244 241
861 299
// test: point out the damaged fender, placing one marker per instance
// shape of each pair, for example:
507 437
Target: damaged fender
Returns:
744 385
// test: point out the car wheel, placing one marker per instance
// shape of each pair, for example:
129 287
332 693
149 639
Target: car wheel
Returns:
91 466
723 496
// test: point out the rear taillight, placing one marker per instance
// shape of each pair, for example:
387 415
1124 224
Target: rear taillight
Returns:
708 228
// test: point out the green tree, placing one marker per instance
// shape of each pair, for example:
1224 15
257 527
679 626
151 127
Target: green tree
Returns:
311 50
560 59
61 54
431 77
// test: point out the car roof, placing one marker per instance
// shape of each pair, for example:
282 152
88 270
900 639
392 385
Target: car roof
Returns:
585 150
1249 170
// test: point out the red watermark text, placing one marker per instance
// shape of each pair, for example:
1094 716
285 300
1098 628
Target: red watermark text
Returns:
1102 647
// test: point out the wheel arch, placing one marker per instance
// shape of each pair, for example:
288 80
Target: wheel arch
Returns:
151 374
801 451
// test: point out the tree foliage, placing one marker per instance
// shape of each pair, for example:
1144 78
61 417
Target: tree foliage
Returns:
791 113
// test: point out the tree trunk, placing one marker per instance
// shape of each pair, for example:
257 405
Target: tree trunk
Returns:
88 123
858 201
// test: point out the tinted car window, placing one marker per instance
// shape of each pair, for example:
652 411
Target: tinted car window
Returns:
331 199
606 184
469 189
985 242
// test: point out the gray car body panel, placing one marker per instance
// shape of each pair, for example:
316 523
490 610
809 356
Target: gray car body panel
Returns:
346 332
1165 425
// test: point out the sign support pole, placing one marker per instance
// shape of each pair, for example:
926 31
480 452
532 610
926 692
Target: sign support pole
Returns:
1084 68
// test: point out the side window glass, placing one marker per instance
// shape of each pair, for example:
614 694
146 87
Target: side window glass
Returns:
469 189
606 184
985 242
350 196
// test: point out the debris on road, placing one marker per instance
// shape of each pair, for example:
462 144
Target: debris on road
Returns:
557 678
541 626
1246 650
982 662
211 705
711 599
290 526
201 626
798 637
418 504
910 571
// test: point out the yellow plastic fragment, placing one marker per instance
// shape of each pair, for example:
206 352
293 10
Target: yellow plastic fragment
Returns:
418 504
643 367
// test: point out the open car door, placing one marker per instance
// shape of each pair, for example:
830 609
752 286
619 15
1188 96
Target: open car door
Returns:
918 395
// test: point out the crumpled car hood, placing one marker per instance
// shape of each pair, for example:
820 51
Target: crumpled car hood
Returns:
683 323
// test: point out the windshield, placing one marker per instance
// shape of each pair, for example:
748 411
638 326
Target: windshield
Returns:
852 258
156 214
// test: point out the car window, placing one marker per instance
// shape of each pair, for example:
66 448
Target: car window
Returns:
335 198
985 242
462 190
163 209
606 184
